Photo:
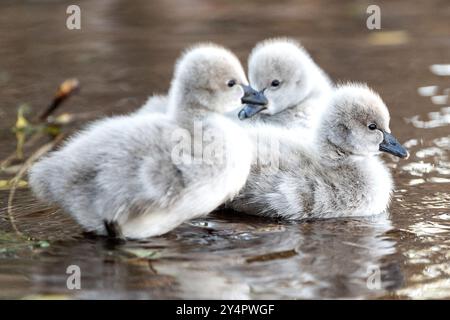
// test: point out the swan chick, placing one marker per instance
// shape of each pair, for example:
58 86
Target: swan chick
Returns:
140 173
295 86
342 176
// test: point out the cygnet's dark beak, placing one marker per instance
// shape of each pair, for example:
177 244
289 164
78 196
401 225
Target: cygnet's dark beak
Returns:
391 145
249 111
251 96
255 102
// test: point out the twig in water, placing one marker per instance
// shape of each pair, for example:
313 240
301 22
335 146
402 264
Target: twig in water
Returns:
15 181
64 91
20 129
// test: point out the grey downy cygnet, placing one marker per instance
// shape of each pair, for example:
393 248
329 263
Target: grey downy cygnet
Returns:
341 176
144 175
296 87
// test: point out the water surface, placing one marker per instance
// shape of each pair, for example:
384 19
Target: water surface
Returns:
125 52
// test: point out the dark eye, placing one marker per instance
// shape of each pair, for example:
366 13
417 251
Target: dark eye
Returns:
372 126
275 83
231 83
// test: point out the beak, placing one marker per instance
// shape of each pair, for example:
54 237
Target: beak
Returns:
391 145
249 111
255 102
251 96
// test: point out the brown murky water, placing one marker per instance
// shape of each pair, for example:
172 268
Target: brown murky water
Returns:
125 51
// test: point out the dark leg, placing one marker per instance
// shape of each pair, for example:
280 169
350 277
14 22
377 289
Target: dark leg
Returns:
113 230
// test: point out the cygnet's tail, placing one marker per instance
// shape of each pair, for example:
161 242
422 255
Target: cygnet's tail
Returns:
41 176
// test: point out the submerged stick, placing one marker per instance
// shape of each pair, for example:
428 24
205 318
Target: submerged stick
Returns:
64 91
15 181
21 125
9 159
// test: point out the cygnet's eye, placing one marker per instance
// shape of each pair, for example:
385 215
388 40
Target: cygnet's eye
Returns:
275 83
372 126
231 83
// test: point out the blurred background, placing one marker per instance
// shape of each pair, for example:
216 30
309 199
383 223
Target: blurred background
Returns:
125 52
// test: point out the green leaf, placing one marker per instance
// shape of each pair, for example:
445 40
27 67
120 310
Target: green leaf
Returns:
143 253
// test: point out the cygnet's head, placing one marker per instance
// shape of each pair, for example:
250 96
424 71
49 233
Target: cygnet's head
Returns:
210 77
285 72
357 123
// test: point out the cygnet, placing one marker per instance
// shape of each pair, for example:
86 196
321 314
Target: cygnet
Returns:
296 87
142 175
341 176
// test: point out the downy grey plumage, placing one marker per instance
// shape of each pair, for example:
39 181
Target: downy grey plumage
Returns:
295 86
340 174
139 171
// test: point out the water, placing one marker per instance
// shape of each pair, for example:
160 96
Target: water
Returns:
124 52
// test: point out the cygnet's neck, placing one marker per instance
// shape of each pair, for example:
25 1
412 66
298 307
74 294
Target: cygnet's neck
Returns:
310 105
334 155
186 110
328 151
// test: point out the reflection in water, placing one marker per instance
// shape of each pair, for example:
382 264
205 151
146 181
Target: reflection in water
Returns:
434 164
440 69
125 52
431 278
222 257
441 100
428 91
436 119
326 259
